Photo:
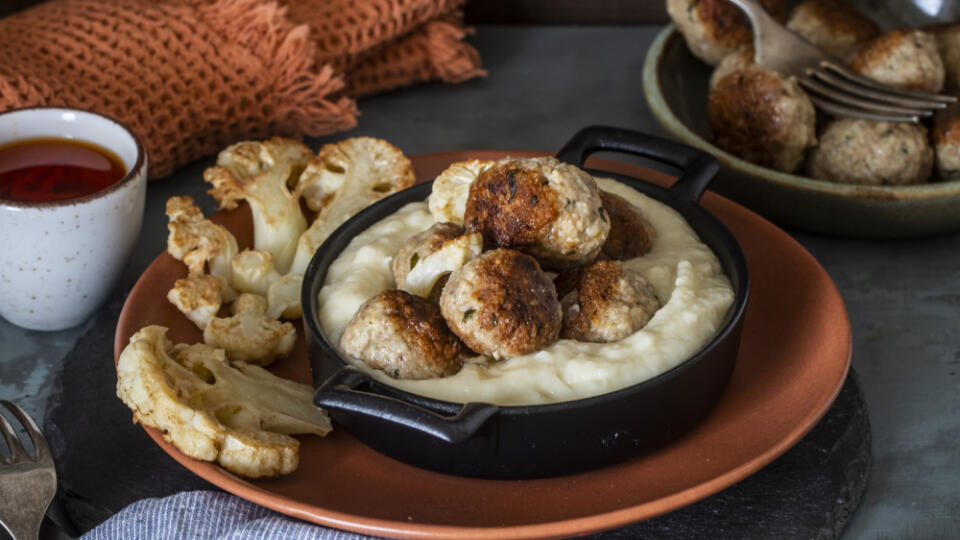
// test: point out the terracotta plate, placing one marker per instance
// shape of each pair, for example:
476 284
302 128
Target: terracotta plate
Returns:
793 360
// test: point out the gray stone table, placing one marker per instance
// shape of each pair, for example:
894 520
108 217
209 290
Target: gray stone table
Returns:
545 83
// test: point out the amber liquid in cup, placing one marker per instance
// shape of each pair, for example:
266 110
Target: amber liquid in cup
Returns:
55 169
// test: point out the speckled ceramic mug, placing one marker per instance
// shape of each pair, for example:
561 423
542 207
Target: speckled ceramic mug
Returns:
60 260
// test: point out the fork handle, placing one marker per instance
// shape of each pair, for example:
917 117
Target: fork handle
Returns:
754 11
759 20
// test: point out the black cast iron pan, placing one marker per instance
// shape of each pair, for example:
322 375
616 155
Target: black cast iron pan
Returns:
485 440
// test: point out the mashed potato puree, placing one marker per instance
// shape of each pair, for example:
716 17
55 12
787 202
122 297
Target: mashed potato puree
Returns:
686 275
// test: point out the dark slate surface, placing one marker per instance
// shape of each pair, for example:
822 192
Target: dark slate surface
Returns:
809 492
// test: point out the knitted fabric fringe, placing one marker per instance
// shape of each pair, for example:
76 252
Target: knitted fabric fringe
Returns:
192 76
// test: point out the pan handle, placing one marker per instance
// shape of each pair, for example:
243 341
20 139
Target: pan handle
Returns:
698 167
339 393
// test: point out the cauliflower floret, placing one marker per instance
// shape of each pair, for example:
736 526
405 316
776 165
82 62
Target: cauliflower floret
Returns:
259 172
198 297
283 297
199 242
448 198
250 335
426 266
344 178
254 271
239 416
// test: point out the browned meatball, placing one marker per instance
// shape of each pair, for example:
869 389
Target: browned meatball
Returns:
946 142
437 290
758 115
835 27
715 28
609 303
631 234
948 45
540 206
403 335
902 58
854 151
502 304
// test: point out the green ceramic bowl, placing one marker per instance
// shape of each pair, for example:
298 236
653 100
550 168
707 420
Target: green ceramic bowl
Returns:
675 83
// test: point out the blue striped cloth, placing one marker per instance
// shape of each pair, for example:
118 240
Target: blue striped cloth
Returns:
206 514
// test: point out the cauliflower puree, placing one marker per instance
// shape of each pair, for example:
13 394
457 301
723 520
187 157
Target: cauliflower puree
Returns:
685 274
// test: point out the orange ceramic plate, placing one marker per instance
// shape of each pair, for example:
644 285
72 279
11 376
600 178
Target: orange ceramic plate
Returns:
793 360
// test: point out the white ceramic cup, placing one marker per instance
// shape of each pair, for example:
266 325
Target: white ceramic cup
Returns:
60 260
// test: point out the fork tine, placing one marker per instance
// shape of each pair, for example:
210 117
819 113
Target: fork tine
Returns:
36 436
842 97
837 109
853 76
17 452
884 96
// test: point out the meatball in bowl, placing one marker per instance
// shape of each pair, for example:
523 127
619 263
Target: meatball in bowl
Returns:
523 347
796 165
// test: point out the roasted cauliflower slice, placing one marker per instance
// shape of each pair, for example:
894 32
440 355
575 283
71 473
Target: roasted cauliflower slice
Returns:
250 335
199 297
342 179
199 242
240 416
259 171
448 199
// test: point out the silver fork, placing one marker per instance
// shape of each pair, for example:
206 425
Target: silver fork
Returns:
831 85
28 482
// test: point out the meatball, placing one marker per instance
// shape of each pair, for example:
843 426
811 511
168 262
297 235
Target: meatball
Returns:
855 151
760 116
902 58
436 251
502 304
948 45
631 234
715 28
540 206
740 59
946 142
835 27
403 335
610 302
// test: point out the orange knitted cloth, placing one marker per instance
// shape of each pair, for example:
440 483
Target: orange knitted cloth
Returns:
192 76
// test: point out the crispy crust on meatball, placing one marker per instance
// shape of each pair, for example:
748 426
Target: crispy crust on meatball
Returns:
502 304
546 208
902 58
631 234
403 335
609 303
758 115
946 142
855 151
835 27
715 28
